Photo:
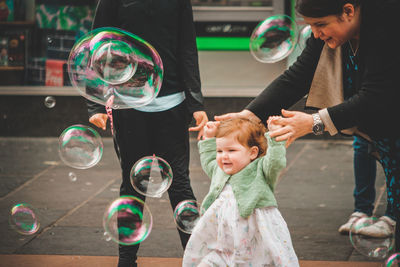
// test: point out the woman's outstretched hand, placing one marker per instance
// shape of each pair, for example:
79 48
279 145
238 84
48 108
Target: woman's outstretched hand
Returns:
247 114
295 124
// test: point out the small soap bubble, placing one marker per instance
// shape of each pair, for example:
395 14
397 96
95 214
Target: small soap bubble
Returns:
72 177
373 247
186 215
127 220
23 219
151 176
80 146
274 39
106 237
113 64
50 102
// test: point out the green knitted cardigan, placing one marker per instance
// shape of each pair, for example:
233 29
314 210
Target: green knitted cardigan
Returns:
253 186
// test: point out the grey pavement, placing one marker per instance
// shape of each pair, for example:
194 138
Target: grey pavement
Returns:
314 195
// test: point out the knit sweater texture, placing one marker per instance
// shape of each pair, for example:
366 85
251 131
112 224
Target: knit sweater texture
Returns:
253 186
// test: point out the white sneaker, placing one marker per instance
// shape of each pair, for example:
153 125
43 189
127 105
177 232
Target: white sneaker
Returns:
384 227
345 228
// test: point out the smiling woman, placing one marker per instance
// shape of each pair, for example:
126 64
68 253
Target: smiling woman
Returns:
333 23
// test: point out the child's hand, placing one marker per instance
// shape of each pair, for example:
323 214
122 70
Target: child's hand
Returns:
272 123
210 129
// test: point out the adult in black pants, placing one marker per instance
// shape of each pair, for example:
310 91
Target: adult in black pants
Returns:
352 40
161 127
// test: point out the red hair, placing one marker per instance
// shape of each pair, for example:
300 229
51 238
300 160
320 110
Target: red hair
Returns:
248 133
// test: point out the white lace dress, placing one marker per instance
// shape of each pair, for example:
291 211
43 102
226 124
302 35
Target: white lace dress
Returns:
223 238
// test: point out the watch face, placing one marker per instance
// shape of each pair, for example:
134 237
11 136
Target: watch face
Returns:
317 129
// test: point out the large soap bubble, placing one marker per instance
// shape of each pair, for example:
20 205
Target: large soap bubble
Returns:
127 220
373 247
110 62
151 176
273 39
24 219
80 146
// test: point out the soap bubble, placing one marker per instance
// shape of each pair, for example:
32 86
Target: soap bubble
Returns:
273 39
372 247
304 34
50 102
113 64
80 146
151 176
72 177
106 237
23 219
186 215
127 220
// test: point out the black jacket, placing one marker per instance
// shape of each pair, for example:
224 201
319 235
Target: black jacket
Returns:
168 26
374 109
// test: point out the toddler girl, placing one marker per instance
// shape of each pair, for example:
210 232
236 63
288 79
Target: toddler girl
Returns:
240 223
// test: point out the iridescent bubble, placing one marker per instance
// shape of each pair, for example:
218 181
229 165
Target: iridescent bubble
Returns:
186 215
373 247
127 220
80 146
50 102
151 176
23 219
393 260
115 68
304 34
274 39
72 177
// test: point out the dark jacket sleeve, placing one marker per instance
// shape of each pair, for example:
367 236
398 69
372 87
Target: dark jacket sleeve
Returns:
188 58
291 86
105 16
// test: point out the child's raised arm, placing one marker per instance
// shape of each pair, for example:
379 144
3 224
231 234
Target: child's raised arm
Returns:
275 159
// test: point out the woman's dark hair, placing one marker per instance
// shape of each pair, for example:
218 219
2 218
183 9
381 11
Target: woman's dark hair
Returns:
322 8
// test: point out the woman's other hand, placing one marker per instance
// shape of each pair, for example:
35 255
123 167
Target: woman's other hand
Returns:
295 124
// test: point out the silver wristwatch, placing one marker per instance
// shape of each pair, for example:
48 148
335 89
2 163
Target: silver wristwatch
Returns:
318 126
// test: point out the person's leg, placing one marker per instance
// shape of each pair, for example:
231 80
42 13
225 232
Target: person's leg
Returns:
364 168
364 177
172 144
389 151
131 144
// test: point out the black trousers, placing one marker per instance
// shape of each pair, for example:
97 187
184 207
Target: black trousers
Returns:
138 134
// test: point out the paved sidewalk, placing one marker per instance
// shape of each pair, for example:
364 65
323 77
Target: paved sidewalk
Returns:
314 195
